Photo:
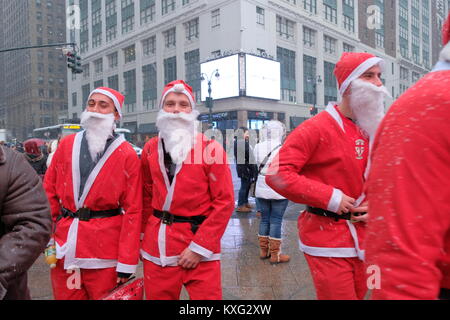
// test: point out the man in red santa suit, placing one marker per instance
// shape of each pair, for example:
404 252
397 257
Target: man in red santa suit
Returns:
408 237
322 164
94 186
188 201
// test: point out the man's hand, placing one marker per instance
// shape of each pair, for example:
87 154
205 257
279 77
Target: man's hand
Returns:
356 217
347 204
189 259
123 277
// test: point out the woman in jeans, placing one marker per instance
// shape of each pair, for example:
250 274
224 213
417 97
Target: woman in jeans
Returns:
272 205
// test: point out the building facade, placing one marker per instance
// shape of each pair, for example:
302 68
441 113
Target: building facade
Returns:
35 85
136 46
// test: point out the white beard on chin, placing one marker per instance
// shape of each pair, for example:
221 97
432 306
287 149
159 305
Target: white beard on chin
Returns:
178 130
99 128
367 104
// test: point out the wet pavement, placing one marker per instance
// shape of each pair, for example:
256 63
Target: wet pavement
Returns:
244 275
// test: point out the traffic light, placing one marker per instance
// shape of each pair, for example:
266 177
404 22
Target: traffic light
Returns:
74 62
313 110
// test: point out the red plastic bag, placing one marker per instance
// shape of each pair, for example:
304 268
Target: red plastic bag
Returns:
131 290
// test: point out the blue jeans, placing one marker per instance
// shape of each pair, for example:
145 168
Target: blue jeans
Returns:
272 212
243 192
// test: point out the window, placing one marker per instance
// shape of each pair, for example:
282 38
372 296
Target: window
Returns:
215 18
98 66
149 46
379 40
170 37
98 83
330 88
285 27
167 6
330 14
85 90
348 48
260 16
113 60
309 37
127 25
287 71
184 2
74 99
129 80
85 69
310 6
170 69
349 24
129 54
111 20
309 79
191 29
113 82
329 44
192 60
149 94
148 11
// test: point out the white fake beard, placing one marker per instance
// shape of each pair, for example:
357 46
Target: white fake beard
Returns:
99 128
366 102
178 130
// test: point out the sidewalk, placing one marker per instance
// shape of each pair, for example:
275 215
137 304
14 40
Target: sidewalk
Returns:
244 275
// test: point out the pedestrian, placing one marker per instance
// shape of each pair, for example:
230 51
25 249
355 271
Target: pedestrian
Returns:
25 223
35 157
188 201
408 239
94 185
245 168
51 150
272 204
322 164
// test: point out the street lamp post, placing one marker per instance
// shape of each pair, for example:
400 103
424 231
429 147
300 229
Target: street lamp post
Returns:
209 99
317 79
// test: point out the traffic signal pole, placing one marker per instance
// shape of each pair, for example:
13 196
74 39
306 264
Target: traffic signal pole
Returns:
41 46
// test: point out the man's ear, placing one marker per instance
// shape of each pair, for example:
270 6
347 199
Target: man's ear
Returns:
116 115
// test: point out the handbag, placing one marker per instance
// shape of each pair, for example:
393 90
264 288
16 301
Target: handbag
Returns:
133 289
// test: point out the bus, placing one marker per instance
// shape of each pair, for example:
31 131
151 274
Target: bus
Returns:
57 131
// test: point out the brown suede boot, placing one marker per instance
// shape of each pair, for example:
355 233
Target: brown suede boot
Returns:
275 252
264 247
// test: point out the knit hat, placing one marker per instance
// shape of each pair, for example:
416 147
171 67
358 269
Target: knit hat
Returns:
178 86
352 65
115 96
446 31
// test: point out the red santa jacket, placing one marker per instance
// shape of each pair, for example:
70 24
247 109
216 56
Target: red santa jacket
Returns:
321 159
202 185
116 181
408 234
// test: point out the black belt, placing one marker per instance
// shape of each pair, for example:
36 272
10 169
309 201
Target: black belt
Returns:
444 294
85 214
168 218
329 214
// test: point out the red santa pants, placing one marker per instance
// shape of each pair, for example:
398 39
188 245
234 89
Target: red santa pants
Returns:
87 284
338 278
165 283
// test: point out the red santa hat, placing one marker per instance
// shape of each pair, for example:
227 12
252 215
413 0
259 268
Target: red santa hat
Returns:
115 96
178 86
352 65
446 31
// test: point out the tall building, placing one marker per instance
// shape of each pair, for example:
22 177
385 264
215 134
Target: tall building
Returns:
138 46
35 80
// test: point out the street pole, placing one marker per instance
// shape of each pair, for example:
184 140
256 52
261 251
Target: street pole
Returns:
40 46
210 104
209 99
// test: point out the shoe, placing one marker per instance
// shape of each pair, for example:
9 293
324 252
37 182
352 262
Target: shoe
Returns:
275 252
243 209
264 252
258 214
248 205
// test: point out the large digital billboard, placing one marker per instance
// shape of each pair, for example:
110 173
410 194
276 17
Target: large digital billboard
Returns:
227 84
262 77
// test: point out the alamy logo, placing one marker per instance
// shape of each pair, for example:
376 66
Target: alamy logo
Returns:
374 17
374 278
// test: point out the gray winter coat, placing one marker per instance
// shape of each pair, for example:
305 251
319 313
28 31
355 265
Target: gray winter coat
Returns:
25 223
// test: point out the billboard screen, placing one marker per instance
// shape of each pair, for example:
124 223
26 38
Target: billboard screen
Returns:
262 77
227 85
